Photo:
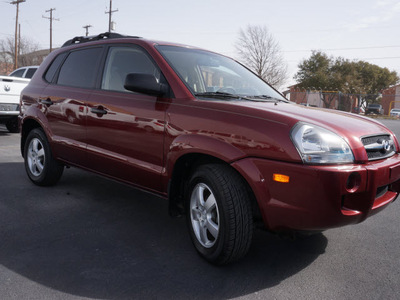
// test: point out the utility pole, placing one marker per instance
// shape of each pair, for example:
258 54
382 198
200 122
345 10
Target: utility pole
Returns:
51 26
110 12
16 2
19 39
87 29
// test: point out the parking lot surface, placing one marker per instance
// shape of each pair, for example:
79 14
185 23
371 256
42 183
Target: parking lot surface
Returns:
92 238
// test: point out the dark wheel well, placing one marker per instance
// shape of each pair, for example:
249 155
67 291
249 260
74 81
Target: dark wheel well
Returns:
27 127
183 168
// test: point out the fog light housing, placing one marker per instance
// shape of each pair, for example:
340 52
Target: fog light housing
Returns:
353 182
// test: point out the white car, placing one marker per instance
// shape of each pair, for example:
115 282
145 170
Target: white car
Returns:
24 72
10 91
395 112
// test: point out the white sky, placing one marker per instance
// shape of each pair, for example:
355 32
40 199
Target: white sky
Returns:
359 29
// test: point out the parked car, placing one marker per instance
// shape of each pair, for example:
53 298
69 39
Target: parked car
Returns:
10 92
374 109
358 110
395 112
226 149
24 72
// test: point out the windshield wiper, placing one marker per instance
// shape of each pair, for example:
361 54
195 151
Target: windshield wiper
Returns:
223 95
218 95
267 97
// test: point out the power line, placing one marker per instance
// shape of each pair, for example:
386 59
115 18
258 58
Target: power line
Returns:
339 49
366 58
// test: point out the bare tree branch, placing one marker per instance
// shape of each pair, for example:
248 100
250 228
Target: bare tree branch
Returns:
27 53
260 52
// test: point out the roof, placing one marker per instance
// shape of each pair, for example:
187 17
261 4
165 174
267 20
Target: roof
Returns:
101 36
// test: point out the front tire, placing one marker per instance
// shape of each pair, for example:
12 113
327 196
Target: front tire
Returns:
219 214
41 168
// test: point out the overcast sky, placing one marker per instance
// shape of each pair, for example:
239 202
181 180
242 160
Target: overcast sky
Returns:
354 29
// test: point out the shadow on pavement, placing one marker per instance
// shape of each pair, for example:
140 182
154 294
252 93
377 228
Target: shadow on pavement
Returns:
92 237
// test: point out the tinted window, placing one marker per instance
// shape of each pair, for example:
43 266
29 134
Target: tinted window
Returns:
30 72
18 73
122 61
79 69
54 67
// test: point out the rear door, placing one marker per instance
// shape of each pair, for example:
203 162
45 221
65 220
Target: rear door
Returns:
72 77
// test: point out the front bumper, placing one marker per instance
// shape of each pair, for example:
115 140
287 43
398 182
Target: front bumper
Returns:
320 197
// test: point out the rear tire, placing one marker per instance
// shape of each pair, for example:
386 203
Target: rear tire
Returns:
219 214
41 167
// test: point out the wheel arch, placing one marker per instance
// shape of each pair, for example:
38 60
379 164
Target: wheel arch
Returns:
27 126
178 184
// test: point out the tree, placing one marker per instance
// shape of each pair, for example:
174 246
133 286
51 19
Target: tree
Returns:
26 49
260 52
340 75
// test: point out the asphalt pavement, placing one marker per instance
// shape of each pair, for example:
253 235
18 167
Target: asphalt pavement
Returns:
92 238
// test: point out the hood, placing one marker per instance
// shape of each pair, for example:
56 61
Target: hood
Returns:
342 123
351 127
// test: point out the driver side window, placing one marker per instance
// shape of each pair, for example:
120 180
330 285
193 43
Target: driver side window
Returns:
122 61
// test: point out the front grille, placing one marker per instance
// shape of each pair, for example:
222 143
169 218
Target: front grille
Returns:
378 146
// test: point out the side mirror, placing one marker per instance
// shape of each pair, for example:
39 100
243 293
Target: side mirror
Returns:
145 84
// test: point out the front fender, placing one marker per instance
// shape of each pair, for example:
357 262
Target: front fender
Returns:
195 143
199 144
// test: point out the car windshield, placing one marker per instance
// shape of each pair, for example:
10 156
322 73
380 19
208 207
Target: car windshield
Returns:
212 75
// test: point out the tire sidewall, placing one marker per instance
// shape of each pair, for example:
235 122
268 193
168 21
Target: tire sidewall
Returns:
203 175
39 134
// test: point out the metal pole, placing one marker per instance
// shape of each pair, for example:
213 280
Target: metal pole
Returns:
17 2
109 17
87 29
51 26
109 12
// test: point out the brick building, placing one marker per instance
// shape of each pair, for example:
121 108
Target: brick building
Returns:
339 100
390 98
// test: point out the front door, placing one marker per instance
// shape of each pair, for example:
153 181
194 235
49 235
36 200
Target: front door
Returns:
125 130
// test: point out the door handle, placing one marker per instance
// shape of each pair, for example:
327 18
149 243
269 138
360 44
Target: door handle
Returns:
98 110
46 101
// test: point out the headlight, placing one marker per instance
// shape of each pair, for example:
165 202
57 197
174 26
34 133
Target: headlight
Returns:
317 145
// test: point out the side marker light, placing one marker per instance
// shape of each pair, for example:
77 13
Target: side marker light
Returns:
280 178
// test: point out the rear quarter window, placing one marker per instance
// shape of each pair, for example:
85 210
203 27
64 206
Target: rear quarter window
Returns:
18 73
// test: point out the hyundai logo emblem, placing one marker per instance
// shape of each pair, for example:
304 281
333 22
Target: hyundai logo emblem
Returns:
7 88
385 146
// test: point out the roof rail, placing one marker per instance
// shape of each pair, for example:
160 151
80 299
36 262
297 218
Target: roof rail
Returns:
101 36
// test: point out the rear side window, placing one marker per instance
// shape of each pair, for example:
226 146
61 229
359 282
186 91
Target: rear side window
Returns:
30 72
79 69
54 67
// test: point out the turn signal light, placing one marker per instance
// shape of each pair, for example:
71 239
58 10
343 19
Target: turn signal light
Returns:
280 178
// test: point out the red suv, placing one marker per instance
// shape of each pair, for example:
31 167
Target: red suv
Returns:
201 130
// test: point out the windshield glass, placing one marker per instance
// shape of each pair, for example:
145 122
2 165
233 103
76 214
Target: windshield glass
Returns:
206 73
